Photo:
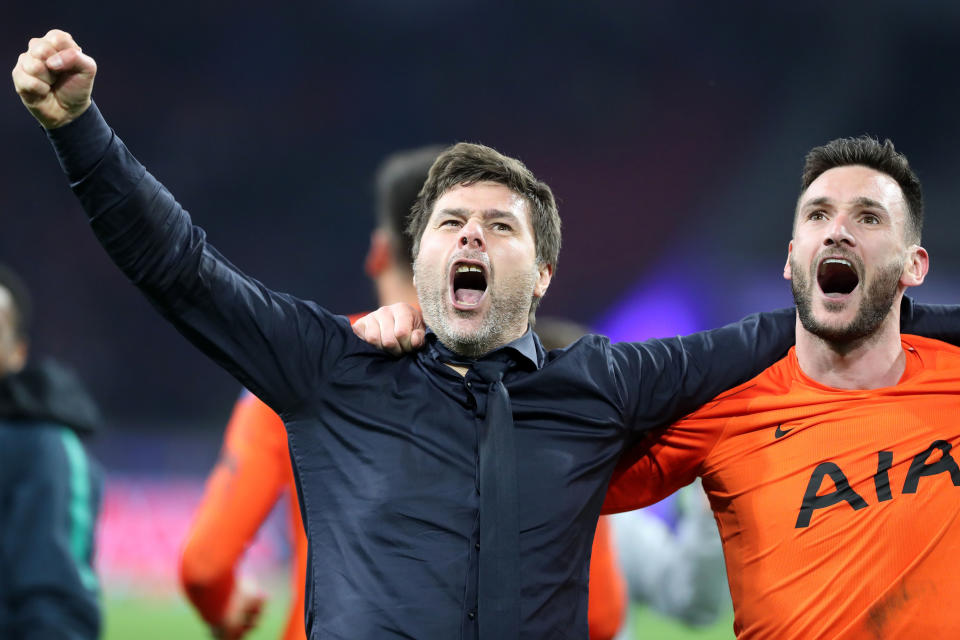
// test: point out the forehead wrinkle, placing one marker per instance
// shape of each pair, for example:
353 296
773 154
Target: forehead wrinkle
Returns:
487 214
498 213
861 201
816 202
864 201
456 212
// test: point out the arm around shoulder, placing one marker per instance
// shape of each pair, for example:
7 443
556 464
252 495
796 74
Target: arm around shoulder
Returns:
937 321
275 344
666 379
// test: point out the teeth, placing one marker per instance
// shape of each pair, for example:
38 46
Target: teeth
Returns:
467 268
837 261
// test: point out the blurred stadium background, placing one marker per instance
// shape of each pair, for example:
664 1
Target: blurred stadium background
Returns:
672 133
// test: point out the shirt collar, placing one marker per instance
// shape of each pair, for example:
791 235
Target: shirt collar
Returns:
526 351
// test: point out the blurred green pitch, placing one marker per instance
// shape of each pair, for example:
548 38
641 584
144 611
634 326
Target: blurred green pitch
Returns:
167 618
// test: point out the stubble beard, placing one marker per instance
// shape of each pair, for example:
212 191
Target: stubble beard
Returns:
876 303
506 317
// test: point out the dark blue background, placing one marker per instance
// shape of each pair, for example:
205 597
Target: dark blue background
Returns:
672 133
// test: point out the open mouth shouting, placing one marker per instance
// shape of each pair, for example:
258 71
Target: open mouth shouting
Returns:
837 276
468 284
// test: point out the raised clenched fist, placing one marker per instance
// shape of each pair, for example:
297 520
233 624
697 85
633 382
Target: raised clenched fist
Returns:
54 78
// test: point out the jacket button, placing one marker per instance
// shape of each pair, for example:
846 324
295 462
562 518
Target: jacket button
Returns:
472 615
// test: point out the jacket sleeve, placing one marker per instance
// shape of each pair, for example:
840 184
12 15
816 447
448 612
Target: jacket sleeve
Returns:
937 321
275 344
52 495
240 493
664 380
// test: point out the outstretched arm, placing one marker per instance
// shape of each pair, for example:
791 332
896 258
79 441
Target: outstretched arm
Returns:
937 321
663 380
660 380
276 345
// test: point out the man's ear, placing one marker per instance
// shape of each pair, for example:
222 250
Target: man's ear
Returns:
545 272
787 271
916 267
379 254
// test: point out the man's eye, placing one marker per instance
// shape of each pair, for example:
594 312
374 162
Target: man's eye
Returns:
819 214
502 226
869 218
450 223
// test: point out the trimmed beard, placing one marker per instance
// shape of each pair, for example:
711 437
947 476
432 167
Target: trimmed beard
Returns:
509 310
876 304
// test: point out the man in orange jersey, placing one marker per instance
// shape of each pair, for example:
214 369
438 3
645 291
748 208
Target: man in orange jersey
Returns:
831 474
254 468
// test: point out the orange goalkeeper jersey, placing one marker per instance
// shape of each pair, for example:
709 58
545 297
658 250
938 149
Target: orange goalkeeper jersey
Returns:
838 509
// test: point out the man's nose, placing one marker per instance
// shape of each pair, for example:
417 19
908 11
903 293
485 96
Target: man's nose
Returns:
839 232
471 236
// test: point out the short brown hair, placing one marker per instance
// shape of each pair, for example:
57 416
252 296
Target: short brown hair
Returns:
466 164
880 156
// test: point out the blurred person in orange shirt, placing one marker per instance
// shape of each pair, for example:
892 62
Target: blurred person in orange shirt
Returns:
254 469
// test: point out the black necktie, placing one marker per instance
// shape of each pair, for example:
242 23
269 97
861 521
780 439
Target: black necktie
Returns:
498 612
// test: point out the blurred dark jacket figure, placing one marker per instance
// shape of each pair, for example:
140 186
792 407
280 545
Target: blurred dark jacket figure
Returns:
50 489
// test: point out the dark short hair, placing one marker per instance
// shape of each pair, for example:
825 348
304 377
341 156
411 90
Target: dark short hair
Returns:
466 164
22 303
880 156
398 181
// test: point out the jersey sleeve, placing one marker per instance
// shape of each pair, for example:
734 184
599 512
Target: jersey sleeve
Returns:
275 344
663 462
663 380
240 493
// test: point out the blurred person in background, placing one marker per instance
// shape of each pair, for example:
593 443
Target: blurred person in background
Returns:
50 488
672 559
254 467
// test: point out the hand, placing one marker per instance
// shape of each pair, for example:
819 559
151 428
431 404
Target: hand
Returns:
54 79
397 328
242 614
